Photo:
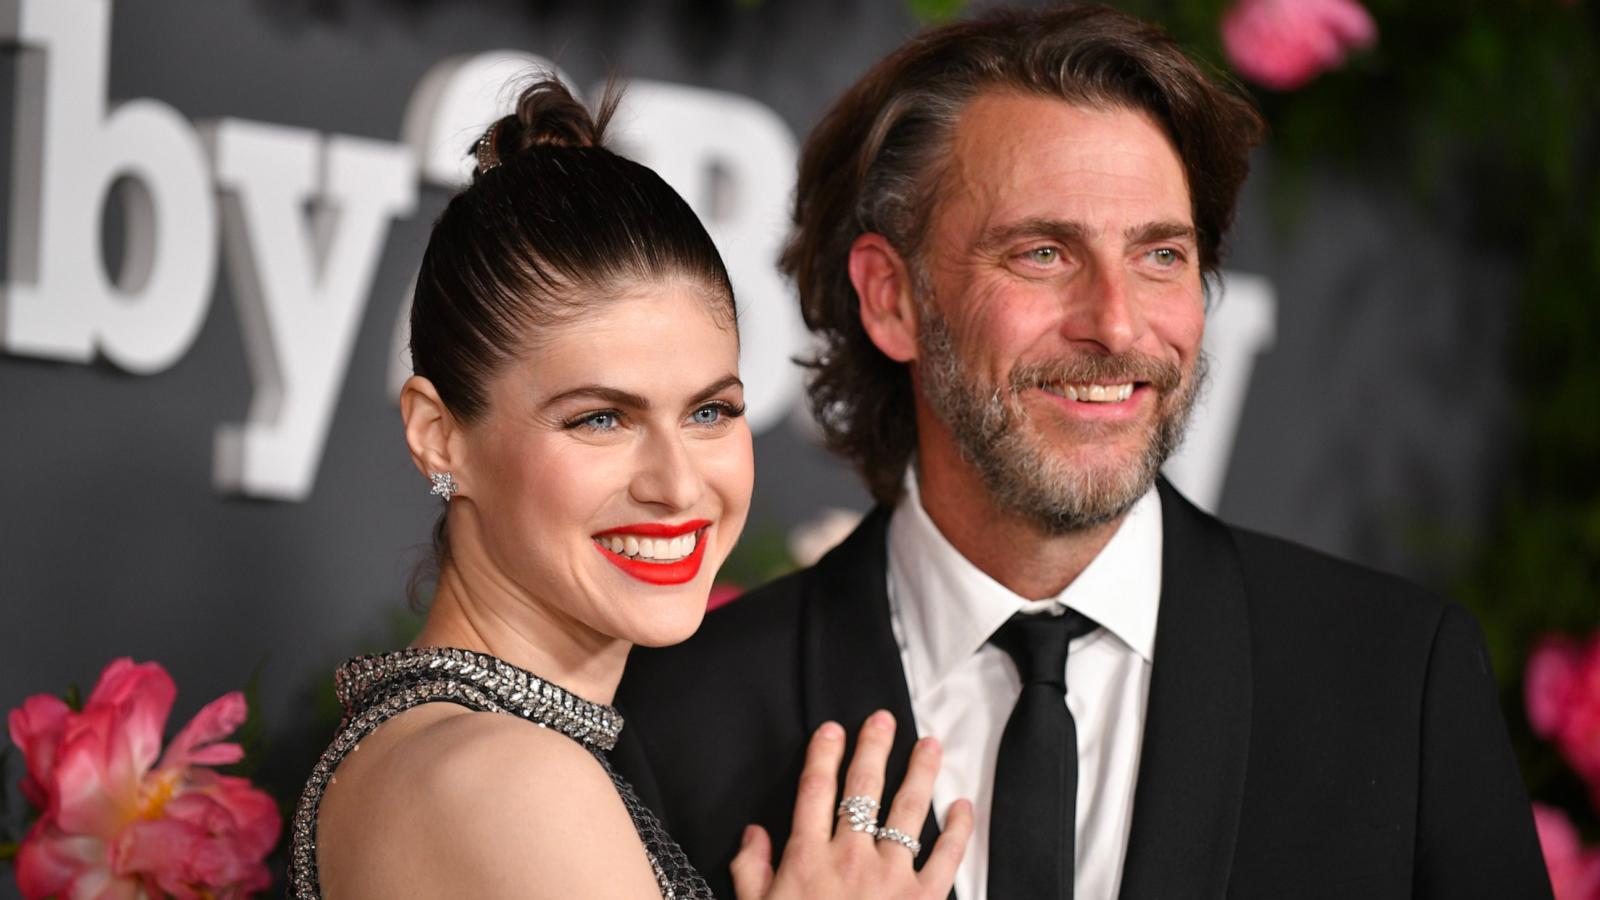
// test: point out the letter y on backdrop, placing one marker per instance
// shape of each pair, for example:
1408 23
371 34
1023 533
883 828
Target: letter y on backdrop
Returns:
300 284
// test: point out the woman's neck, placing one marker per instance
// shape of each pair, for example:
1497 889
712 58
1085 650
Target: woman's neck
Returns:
476 614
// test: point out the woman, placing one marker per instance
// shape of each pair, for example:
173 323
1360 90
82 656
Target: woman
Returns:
577 404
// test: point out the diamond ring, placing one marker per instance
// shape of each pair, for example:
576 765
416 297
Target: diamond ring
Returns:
901 838
862 813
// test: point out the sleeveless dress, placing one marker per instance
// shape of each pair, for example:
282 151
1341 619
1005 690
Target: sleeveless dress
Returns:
374 689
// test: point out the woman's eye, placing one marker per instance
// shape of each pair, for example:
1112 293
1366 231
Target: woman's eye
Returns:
598 421
716 414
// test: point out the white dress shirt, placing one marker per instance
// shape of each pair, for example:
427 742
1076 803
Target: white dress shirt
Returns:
944 609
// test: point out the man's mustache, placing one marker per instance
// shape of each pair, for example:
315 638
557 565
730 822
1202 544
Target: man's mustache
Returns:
1160 374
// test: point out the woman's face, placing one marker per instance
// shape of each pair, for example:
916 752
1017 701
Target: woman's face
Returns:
611 475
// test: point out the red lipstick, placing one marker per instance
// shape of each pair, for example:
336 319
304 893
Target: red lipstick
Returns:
648 571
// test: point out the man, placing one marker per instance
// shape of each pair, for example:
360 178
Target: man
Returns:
1002 236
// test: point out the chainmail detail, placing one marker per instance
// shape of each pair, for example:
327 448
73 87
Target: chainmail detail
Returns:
374 689
678 878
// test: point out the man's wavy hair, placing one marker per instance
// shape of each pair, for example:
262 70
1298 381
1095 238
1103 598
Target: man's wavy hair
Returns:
876 161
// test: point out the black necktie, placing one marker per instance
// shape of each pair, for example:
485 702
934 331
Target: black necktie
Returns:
1032 822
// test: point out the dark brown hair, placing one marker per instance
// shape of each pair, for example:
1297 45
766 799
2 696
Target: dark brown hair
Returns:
543 236
876 160
552 226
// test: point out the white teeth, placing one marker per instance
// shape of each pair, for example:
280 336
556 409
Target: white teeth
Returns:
1093 393
662 549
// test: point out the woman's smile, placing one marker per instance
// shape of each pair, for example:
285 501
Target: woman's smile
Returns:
656 552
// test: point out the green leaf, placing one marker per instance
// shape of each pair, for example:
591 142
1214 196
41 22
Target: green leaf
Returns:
252 734
936 10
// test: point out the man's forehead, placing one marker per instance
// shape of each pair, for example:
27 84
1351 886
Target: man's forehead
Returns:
1017 155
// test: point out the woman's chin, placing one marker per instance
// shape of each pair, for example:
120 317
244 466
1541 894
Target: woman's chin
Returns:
666 636
672 620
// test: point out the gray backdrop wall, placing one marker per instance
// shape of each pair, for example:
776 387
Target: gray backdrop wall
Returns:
1370 428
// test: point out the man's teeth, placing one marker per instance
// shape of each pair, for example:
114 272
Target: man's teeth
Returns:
1092 393
654 549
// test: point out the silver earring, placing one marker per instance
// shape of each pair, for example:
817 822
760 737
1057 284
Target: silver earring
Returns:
444 485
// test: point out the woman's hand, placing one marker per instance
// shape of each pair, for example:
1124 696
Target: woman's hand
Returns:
822 861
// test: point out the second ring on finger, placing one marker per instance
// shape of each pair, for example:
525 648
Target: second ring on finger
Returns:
897 836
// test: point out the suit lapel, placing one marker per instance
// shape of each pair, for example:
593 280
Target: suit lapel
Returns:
850 661
1197 724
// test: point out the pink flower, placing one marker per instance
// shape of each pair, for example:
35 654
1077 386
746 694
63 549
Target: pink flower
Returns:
1562 685
722 594
1282 44
1574 871
119 817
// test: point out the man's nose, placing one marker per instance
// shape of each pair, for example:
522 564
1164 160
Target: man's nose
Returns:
667 475
1101 309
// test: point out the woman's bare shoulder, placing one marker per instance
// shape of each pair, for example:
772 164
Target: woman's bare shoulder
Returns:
444 800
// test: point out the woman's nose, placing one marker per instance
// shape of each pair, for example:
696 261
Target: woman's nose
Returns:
667 475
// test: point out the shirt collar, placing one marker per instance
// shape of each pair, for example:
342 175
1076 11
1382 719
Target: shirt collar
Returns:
947 607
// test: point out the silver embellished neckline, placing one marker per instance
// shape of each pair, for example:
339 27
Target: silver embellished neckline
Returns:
365 679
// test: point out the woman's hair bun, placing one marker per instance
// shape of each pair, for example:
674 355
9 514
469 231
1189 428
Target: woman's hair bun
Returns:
547 115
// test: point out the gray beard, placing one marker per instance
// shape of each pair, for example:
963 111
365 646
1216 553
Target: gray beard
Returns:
1024 478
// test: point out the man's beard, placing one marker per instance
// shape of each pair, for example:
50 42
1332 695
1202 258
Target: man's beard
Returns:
1024 474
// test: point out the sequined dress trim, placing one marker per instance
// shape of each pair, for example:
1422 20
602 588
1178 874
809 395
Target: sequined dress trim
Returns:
374 689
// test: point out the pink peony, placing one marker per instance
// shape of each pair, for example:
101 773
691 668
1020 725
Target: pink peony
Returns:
120 818
1562 686
1574 871
722 594
1282 44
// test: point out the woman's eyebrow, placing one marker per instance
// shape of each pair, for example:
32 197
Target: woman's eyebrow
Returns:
630 400
716 387
614 396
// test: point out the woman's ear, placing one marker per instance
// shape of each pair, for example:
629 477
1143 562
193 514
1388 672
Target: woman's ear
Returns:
432 434
884 287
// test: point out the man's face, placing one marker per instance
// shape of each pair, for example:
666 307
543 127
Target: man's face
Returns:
1060 306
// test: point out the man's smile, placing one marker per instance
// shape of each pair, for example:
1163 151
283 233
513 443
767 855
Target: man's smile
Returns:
1092 393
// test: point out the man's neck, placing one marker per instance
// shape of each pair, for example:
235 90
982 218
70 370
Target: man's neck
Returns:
1014 552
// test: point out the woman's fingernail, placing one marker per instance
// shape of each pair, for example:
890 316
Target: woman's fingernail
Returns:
830 731
929 744
749 835
882 719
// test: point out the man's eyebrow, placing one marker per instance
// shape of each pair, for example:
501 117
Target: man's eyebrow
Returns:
1150 232
1062 230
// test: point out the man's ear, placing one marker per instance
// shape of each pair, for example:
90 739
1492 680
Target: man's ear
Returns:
432 434
883 285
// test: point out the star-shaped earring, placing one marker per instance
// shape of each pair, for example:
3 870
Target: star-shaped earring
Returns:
444 485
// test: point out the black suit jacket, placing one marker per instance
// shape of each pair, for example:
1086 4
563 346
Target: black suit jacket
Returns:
1314 729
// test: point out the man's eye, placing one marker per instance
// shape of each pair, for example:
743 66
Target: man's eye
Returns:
1042 256
1165 257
